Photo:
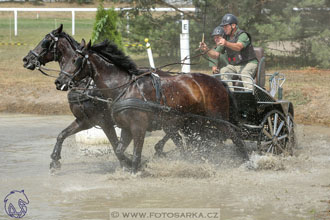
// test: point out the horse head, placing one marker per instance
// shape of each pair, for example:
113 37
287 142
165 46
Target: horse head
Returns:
44 52
73 70
52 47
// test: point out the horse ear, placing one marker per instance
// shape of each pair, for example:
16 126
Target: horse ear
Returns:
59 29
89 45
83 43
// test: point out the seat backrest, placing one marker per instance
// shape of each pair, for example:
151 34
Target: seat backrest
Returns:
259 52
260 75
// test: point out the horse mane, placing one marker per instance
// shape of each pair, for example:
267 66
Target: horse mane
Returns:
71 40
110 51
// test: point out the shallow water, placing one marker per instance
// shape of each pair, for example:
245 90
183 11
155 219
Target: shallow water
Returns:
91 181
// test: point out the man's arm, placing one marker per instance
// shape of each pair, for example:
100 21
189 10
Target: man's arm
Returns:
234 46
242 42
214 64
211 53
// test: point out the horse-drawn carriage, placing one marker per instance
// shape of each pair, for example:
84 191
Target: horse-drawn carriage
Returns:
134 100
262 117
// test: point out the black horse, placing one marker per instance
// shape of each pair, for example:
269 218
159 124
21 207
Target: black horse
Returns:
58 46
135 101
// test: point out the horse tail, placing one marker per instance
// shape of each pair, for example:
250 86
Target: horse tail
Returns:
233 108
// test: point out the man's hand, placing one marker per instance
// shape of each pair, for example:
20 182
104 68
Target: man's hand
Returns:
210 52
222 42
215 70
203 47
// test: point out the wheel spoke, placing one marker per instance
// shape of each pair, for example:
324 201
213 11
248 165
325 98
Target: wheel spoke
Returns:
266 133
280 147
275 123
279 128
269 148
270 125
266 143
282 137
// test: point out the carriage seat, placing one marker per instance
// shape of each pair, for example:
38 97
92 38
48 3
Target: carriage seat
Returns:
260 74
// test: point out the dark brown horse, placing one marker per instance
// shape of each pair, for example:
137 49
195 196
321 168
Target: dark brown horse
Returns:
185 98
59 46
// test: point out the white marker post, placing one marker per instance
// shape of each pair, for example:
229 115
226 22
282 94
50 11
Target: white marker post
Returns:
184 46
151 59
94 136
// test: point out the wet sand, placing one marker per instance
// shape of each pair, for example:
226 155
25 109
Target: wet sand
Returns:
91 181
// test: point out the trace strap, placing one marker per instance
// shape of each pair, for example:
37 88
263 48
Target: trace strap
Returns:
46 74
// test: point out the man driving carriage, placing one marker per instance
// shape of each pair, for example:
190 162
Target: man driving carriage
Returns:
237 45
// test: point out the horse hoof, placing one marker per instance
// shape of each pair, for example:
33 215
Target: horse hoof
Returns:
55 157
160 154
55 165
245 157
125 165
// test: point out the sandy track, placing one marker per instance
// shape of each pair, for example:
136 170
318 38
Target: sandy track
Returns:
267 187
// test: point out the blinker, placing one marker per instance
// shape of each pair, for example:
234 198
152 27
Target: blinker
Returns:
78 62
45 43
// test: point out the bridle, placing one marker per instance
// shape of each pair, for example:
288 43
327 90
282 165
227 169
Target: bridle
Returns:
47 45
84 62
51 47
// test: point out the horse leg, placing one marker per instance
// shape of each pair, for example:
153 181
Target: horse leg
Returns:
73 128
125 140
237 140
176 138
159 147
111 134
138 137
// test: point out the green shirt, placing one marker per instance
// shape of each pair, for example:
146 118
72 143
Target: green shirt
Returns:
242 38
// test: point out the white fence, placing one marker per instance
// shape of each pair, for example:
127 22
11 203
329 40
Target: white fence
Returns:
74 10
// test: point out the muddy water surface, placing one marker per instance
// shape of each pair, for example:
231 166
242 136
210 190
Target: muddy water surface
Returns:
91 181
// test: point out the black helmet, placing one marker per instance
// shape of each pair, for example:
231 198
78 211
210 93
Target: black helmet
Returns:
218 31
228 19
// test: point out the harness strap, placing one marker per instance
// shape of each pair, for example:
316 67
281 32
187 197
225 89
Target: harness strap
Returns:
134 103
55 39
138 104
34 53
46 74
140 90
155 79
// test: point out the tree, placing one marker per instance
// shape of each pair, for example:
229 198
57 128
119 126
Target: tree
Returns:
105 27
302 24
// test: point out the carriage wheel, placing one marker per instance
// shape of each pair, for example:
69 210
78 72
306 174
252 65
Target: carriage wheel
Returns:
277 134
292 135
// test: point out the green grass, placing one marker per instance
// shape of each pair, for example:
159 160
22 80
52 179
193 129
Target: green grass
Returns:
31 31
